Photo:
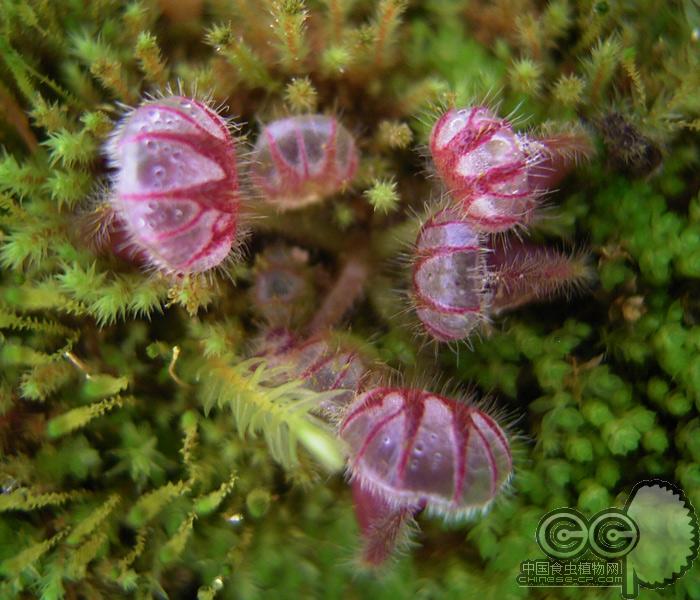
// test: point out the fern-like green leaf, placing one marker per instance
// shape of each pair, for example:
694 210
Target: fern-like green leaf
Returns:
151 504
44 379
279 412
14 566
25 499
81 416
89 524
12 321
86 552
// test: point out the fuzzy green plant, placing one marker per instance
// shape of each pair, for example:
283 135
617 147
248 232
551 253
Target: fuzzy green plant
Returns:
147 450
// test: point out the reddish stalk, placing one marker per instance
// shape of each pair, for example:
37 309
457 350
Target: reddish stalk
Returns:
346 290
523 273
383 527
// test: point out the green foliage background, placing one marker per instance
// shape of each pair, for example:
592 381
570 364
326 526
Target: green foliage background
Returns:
123 394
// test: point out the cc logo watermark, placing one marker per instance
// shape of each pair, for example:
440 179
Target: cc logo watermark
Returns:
649 543
565 533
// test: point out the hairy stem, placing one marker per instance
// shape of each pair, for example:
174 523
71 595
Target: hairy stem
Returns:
347 288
